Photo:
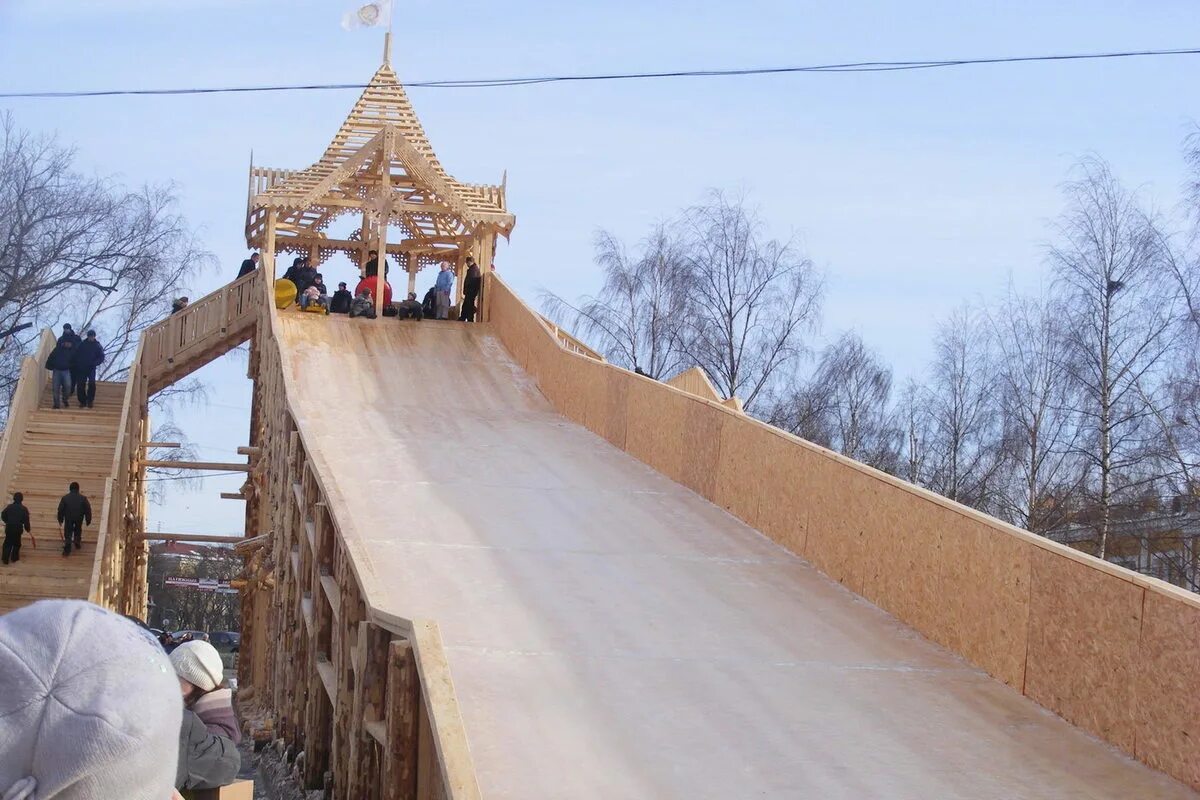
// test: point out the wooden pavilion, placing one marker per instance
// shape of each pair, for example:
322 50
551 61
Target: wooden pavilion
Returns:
380 167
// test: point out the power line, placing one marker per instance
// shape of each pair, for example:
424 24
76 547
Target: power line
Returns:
491 83
190 477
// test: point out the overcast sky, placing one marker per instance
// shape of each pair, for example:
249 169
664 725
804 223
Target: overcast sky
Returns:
914 192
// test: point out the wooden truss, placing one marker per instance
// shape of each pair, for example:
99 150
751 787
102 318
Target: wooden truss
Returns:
381 166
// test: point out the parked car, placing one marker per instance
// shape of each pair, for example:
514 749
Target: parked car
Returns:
226 641
189 636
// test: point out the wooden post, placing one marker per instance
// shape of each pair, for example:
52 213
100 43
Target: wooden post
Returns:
385 212
485 251
268 251
410 266
402 716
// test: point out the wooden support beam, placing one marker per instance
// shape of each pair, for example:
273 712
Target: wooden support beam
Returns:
192 537
161 444
401 718
212 465
232 496
249 451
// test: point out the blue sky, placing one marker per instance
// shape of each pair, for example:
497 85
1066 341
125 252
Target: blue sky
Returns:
914 192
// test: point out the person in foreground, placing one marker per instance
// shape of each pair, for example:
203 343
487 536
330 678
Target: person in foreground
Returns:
89 706
208 736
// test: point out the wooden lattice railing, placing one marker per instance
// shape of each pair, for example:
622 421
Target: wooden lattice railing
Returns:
204 330
569 342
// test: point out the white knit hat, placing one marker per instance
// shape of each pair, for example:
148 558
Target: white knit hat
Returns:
89 707
198 663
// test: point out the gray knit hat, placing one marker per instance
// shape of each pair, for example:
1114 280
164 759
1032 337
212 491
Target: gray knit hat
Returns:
89 706
198 663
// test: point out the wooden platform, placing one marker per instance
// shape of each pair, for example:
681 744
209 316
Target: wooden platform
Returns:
58 447
610 633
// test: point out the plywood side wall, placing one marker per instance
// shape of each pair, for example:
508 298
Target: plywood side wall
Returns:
1111 651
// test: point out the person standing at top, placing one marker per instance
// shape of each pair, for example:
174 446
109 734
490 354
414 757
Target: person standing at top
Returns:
179 305
471 286
74 511
290 274
372 266
444 283
340 302
16 522
60 362
249 265
88 357
70 334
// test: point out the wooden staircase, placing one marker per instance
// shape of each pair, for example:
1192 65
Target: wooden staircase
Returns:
43 450
57 447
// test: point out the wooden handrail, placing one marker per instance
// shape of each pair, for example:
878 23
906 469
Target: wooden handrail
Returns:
568 341
25 399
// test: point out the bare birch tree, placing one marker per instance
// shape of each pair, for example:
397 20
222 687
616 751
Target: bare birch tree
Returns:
84 250
846 405
639 318
753 299
1119 305
1037 401
964 456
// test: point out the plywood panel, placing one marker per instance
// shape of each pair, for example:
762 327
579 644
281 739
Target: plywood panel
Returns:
985 576
655 428
787 475
1084 626
903 572
701 447
740 489
1168 686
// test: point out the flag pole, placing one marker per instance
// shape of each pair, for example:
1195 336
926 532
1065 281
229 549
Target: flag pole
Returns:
387 36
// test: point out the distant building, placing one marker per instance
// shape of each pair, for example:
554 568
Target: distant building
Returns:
1160 540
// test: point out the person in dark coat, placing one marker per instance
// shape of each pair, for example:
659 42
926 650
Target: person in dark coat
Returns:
471 285
74 511
363 305
60 362
179 305
249 265
16 522
372 267
297 263
206 760
304 277
340 302
410 308
429 304
88 357
70 335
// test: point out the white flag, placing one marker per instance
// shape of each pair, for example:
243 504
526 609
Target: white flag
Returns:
371 15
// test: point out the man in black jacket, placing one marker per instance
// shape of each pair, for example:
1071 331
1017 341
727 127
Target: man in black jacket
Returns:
16 522
340 303
372 267
88 356
74 511
60 362
249 265
70 334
